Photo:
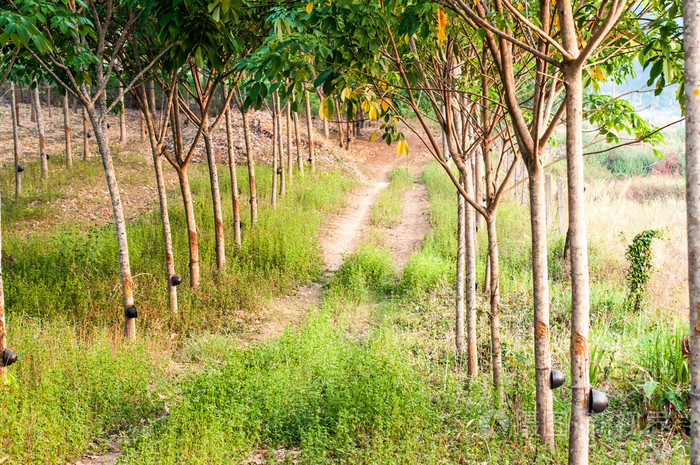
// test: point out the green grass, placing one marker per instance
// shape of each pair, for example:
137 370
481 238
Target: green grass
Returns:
74 274
72 387
77 381
386 211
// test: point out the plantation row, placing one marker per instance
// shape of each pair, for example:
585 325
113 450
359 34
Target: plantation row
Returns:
483 87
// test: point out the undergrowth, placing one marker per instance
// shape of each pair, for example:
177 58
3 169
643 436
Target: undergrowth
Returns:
386 211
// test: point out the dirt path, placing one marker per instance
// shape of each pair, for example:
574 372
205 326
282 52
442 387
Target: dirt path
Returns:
403 239
344 233
343 236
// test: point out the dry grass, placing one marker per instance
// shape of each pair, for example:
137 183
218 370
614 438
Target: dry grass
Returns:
618 210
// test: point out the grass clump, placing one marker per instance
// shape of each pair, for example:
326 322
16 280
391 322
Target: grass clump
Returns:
367 271
314 390
386 211
70 390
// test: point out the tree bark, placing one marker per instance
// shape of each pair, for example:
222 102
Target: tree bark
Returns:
122 116
561 210
461 274
156 150
143 128
3 325
215 197
251 168
470 224
191 227
548 198
234 181
288 113
15 139
692 173
66 125
42 137
275 135
312 159
580 319
86 144
16 103
99 127
540 285
495 317
280 150
32 115
300 161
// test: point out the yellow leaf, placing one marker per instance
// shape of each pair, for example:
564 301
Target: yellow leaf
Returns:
442 23
402 148
365 107
385 104
599 74
372 112
327 108
346 94
373 137
309 7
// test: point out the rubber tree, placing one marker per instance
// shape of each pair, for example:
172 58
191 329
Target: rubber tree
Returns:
15 141
691 30
36 102
53 48
555 34
141 50
204 88
204 56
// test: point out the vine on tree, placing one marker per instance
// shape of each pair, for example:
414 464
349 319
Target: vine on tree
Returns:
639 255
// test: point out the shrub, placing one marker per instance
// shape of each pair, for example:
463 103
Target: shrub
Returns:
640 256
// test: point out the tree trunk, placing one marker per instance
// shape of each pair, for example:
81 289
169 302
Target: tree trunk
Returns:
548 198
98 126
495 317
580 322
461 274
122 116
32 115
312 159
16 103
86 144
143 128
338 114
479 188
275 135
234 181
66 125
540 290
215 197
692 174
300 161
470 213
251 168
561 210
191 226
280 150
15 139
290 164
3 326
42 137
165 218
